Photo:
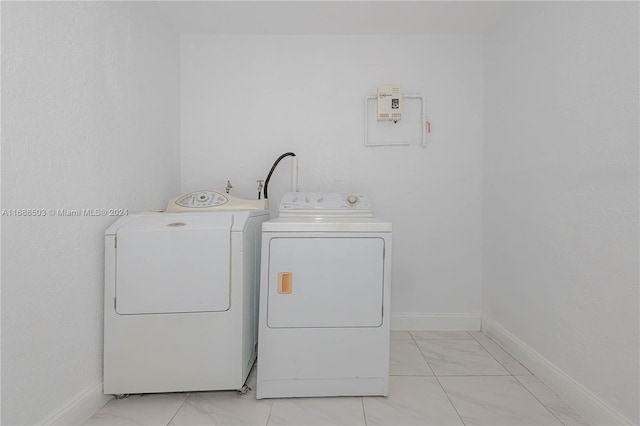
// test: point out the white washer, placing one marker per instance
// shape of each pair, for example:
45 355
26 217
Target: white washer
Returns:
181 296
324 299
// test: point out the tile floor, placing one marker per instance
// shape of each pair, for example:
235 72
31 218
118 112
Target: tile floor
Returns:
437 378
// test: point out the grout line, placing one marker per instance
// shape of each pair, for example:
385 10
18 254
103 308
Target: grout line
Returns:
476 339
438 380
450 401
514 378
466 340
482 375
536 398
411 375
179 408
497 360
364 412
474 375
441 338
505 351
270 410
423 356
556 395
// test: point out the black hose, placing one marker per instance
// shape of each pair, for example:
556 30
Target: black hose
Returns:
266 182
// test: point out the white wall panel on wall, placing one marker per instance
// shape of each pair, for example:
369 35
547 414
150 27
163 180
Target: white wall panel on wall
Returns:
89 121
561 190
247 99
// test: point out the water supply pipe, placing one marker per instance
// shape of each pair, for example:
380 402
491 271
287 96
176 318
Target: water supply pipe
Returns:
294 173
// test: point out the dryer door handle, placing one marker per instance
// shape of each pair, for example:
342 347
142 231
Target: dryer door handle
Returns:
285 282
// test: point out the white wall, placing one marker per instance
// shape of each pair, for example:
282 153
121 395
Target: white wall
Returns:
561 190
89 120
247 99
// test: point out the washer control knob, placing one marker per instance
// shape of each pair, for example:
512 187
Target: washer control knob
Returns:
352 200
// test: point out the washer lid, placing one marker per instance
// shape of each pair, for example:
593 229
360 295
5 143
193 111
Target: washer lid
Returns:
172 263
326 224
240 218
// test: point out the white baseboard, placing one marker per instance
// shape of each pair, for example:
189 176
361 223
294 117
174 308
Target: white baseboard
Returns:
592 408
80 408
413 321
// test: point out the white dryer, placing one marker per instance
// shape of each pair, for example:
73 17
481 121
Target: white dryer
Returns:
324 299
181 287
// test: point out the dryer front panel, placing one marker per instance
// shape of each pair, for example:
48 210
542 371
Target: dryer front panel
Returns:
170 263
325 282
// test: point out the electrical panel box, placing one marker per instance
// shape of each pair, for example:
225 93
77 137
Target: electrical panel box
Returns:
389 103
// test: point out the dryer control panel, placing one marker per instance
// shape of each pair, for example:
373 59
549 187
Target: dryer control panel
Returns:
320 204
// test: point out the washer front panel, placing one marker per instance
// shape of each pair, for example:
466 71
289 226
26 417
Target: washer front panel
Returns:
173 263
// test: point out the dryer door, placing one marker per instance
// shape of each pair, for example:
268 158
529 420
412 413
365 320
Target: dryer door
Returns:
325 282
170 263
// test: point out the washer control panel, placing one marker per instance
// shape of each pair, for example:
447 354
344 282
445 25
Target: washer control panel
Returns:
325 204
201 199
212 200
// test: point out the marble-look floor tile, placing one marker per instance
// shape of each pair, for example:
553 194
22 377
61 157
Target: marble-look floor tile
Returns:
224 408
411 401
491 400
559 408
459 357
317 411
407 360
440 335
401 335
147 409
507 361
